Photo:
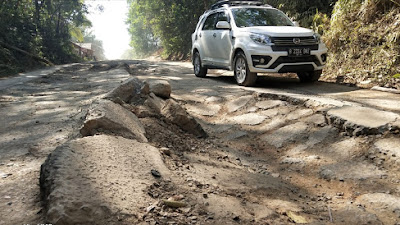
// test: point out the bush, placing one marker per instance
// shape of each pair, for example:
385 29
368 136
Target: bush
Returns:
364 39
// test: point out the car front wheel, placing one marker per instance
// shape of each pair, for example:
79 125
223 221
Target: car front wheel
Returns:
242 73
199 69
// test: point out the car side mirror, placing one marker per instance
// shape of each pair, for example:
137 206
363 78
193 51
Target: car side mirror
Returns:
223 25
296 24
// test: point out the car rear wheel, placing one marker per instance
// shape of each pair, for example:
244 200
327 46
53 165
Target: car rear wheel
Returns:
309 77
199 69
242 73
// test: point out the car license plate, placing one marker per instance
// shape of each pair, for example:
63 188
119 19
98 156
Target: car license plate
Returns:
299 51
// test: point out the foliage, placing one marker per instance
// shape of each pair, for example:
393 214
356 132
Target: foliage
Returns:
320 23
303 11
41 27
164 23
364 41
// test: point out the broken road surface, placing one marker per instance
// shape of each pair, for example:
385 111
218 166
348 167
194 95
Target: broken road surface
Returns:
170 148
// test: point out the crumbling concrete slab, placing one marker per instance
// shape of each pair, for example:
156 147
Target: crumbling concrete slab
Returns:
386 151
269 104
238 103
287 134
108 117
248 119
351 171
205 109
87 180
300 113
128 90
361 120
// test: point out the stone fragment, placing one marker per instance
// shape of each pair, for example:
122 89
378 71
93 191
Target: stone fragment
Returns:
300 113
155 103
161 88
269 104
127 91
270 113
248 119
273 124
287 134
4 175
317 120
238 103
105 116
83 180
205 109
175 114
361 120
174 204
213 99
296 218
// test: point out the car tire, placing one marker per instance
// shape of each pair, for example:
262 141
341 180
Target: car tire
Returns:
243 76
309 77
199 69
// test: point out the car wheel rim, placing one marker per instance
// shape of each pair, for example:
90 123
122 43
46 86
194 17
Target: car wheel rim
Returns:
240 70
197 65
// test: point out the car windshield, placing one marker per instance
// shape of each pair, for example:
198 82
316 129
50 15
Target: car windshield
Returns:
255 17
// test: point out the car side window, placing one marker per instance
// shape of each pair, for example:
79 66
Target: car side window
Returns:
210 22
222 16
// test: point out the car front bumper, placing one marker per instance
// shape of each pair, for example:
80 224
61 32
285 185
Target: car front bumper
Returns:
267 60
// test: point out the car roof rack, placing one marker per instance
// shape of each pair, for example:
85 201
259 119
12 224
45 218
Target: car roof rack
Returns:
236 3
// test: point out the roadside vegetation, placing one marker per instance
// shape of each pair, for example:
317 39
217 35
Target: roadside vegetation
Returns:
364 40
35 33
363 36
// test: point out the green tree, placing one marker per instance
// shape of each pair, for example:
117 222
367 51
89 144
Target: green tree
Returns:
164 23
303 11
32 31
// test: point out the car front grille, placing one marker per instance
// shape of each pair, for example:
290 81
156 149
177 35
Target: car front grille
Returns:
285 48
294 41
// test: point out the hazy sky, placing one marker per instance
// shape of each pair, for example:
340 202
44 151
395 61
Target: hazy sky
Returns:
109 26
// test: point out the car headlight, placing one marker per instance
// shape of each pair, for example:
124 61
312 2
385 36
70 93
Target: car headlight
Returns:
317 38
261 38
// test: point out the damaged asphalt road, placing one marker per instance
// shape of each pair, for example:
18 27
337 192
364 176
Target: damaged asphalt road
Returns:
279 153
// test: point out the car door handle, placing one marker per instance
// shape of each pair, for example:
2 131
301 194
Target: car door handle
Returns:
215 35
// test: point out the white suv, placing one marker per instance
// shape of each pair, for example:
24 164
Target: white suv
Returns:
249 37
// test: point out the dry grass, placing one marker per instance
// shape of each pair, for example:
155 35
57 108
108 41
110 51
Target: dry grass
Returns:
364 43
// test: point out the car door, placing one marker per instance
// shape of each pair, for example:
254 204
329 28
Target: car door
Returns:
206 39
222 42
